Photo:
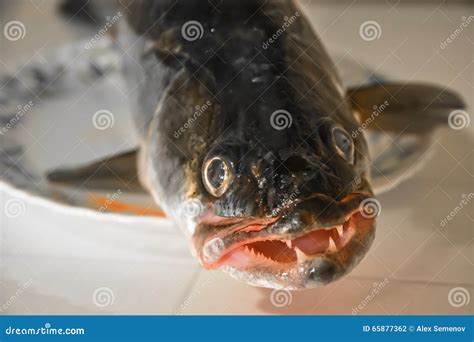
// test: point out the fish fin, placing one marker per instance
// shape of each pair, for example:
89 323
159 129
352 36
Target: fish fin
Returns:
403 107
110 185
395 159
112 173
399 121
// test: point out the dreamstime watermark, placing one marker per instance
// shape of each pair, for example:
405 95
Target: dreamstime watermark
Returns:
110 199
465 201
111 21
21 111
199 110
103 296
103 119
288 200
281 119
377 110
13 298
14 208
281 298
191 208
458 297
287 21
464 24
47 329
377 287
355 182
192 30
370 208
459 119
14 30
196 292
370 30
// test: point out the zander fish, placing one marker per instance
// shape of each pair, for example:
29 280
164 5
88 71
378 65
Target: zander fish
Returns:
252 144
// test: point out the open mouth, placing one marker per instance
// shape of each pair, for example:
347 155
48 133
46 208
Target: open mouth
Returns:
258 246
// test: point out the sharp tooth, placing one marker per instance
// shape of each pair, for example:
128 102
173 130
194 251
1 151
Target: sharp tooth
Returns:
300 255
288 243
340 230
332 245
254 254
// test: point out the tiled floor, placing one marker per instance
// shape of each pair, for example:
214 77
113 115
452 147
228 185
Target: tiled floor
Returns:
56 264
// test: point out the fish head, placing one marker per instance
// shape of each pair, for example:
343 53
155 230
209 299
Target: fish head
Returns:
275 195
287 209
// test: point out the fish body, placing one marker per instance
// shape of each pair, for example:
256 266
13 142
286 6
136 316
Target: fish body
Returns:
251 143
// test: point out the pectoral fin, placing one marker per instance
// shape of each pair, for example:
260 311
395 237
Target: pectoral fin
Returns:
404 108
109 185
111 173
399 121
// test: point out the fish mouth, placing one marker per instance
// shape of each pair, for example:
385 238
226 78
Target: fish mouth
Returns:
293 251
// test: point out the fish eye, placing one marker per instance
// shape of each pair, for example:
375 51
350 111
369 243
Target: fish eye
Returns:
343 143
217 176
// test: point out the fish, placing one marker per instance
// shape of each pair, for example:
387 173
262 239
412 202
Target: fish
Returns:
252 144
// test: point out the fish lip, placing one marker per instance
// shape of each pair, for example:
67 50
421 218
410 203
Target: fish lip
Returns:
216 246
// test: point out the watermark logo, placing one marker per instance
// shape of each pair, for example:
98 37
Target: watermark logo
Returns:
464 201
458 119
192 208
376 288
465 21
281 298
287 21
47 329
14 30
288 200
281 119
102 297
21 111
377 110
110 200
14 207
110 21
198 111
370 208
370 30
213 249
192 30
458 296
9 302
103 119
195 294
355 182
